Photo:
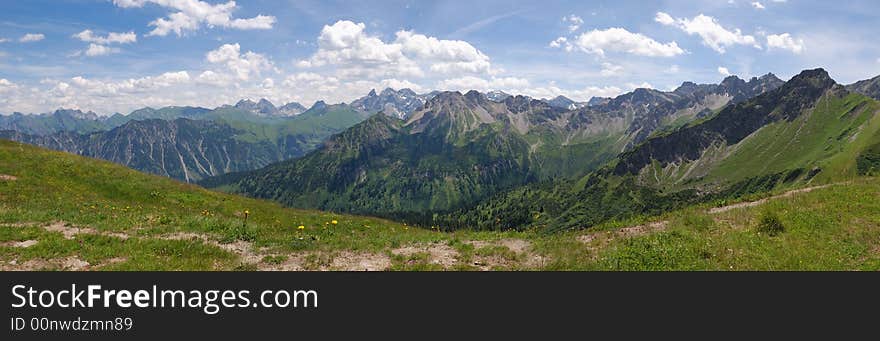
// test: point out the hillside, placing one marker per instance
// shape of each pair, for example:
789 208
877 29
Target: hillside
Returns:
60 211
810 130
819 228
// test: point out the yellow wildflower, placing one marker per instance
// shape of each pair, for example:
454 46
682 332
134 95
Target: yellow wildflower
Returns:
334 222
301 227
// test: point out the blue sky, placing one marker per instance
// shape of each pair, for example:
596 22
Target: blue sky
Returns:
119 55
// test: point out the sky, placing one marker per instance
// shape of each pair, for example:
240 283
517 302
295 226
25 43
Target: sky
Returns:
113 56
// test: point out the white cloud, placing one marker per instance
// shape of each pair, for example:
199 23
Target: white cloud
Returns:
609 69
191 14
268 83
401 84
476 83
447 56
101 95
31 37
5 84
673 69
240 66
724 71
346 46
664 19
620 40
574 22
584 94
642 85
713 34
520 86
786 42
100 50
4 40
111 38
581 95
562 42
348 63
757 5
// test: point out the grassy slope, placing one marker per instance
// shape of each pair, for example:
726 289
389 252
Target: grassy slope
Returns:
829 137
832 228
53 186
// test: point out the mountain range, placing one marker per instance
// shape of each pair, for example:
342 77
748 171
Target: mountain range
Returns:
459 149
185 143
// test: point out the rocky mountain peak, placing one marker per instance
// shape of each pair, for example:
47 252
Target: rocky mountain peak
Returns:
76 113
732 81
818 78
497 95
474 95
262 107
388 92
867 87
398 103
320 104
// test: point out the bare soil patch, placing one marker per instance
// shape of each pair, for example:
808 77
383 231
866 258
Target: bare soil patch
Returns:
7 177
597 240
69 231
438 253
626 232
72 263
353 261
294 262
521 248
21 244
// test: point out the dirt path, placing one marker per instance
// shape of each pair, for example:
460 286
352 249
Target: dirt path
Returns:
658 226
761 201
438 253
486 255
262 259
626 232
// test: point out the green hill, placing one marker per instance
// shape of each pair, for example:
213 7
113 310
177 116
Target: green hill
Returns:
810 130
